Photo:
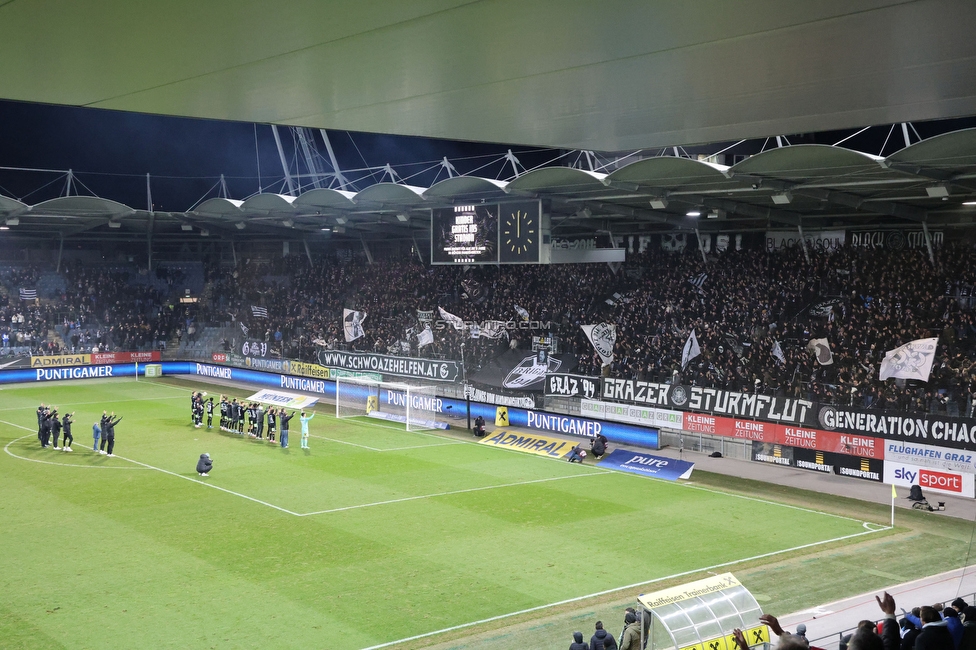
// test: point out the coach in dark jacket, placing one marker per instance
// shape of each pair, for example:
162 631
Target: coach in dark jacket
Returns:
601 639
204 465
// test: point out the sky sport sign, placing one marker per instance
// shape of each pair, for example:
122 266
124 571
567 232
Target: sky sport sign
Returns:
428 369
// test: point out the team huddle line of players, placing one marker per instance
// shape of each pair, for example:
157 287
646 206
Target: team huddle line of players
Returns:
242 417
51 426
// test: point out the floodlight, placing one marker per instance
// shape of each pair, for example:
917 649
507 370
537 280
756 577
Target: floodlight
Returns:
693 213
186 227
783 198
114 224
659 204
240 225
939 191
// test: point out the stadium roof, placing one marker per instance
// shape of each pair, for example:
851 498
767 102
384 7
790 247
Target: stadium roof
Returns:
811 186
600 76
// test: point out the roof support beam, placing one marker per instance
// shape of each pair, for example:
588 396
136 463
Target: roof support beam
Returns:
749 210
857 202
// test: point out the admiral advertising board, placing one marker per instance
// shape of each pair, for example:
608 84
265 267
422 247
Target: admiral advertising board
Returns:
943 481
94 359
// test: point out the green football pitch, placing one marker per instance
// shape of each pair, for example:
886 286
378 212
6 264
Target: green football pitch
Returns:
372 536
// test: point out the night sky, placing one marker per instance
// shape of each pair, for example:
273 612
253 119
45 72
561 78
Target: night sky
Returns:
111 152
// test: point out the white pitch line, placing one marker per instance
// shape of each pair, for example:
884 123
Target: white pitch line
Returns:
615 589
114 401
210 485
51 462
355 444
444 494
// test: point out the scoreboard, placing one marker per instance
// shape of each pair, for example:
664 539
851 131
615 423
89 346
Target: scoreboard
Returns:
505 233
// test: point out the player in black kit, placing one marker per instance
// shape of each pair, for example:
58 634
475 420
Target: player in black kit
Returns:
272 423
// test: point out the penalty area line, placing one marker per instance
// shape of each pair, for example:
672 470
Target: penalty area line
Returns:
444 494
597 594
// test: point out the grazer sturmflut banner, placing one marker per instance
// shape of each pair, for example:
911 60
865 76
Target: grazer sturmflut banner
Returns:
711 400
428 369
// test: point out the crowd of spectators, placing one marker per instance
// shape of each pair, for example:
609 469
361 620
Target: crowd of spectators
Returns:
753 312
97 310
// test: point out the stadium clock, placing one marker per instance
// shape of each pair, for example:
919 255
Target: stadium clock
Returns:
519 233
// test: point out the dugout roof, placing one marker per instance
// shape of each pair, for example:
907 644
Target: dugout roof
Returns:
689 616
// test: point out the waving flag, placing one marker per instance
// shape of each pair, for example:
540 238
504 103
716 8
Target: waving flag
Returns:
821 348
602 338
690 351
910 361
352 324
456 322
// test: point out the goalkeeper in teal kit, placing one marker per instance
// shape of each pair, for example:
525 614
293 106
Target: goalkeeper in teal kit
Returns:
305 420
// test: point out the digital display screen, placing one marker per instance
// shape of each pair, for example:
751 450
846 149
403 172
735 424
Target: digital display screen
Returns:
464 234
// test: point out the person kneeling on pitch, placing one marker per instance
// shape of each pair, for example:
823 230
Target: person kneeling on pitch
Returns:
204 465
576 454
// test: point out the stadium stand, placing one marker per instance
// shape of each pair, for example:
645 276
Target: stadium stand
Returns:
863 301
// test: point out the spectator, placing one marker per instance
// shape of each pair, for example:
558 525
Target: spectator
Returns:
601 639
630 639
578 643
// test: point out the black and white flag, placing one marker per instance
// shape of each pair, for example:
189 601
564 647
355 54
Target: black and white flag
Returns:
602 337
522 312
425 338
690 351
28 294
777 352
352 324
821 349
456 322
494 329
243 327
699 280
910 361
259 312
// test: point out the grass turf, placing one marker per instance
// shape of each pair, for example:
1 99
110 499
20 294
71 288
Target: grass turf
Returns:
374 535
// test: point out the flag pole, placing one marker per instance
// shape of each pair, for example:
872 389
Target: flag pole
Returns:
893 495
